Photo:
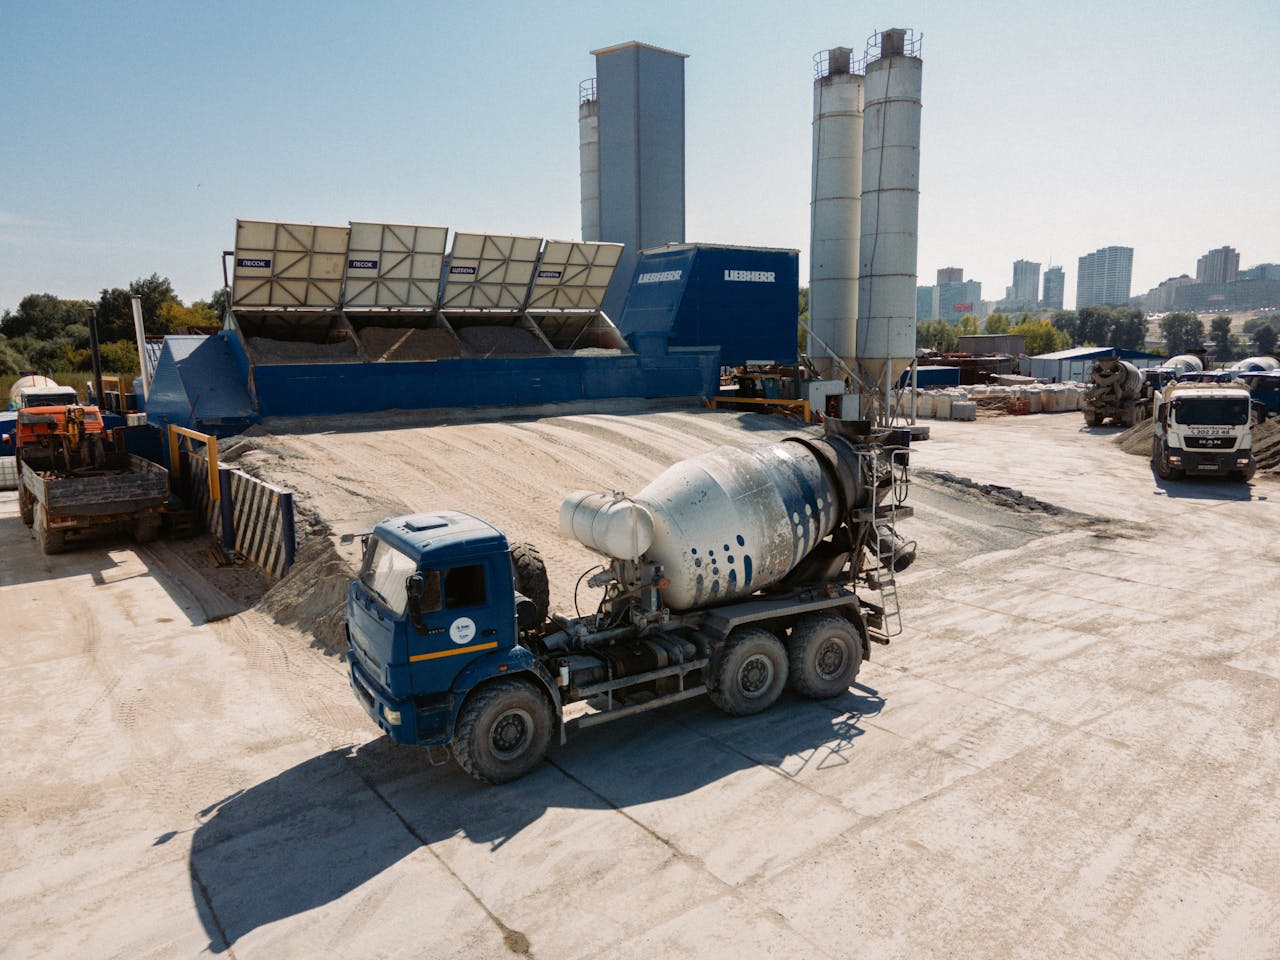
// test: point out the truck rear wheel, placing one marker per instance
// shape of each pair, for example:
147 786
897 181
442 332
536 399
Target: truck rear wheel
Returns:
503 731
146 528
531 577
51 541
751 673
25 506
825 655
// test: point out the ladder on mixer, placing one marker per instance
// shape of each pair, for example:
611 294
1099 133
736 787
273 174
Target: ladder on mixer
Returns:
885 526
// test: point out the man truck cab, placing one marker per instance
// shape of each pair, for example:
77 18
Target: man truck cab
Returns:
1203 427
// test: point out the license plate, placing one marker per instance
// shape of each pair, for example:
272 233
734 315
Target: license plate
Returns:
1207 466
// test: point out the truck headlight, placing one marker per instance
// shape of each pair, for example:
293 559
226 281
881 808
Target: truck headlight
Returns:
1242 462
392 716
1175 459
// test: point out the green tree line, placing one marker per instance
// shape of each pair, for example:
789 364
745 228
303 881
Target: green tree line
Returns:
51 334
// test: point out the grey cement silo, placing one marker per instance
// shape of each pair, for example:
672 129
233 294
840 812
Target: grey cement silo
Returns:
834 217
890 214
640 102
589 158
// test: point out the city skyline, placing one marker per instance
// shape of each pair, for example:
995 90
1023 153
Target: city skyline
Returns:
129 165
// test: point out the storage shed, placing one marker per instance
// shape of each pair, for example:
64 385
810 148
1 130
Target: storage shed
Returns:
1077 363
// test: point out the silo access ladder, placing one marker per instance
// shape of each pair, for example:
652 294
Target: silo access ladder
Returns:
888 547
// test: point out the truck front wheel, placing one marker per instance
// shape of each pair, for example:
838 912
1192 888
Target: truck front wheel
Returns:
1160 459
751 673
502 731
825 656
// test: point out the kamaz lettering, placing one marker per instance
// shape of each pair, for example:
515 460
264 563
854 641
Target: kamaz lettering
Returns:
362 264
253 263
661 276
750 276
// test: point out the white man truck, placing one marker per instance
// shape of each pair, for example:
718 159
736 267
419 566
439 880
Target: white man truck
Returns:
1204 426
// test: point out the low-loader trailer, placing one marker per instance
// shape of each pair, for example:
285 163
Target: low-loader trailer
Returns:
733 574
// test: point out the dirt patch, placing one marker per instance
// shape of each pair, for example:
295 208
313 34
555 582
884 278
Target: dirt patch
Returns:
998 495
501 342
408 343
312 597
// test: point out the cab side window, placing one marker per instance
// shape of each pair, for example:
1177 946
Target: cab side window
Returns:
464 586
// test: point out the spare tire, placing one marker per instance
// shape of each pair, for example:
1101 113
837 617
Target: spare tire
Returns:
531 577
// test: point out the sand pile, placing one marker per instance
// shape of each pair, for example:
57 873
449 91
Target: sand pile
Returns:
408 343
1266 442
501 342
294 351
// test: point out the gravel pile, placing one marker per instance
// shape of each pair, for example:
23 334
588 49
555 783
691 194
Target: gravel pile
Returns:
297 351
501 342
408 343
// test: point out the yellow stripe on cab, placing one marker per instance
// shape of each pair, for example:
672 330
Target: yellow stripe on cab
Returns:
453 653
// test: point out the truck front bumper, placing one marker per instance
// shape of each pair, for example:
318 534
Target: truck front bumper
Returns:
404 721
1212 463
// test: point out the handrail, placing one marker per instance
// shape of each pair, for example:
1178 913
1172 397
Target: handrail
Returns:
211 449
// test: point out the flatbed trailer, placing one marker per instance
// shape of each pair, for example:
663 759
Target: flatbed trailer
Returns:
126 493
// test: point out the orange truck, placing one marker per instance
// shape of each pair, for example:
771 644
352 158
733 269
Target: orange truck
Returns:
74 484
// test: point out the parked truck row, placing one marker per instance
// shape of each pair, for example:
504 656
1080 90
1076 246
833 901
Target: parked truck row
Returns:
733 574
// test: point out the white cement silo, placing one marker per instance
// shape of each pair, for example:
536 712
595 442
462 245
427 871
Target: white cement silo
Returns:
886 330
835 222
589 158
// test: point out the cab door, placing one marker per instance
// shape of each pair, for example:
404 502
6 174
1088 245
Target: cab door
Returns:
460 616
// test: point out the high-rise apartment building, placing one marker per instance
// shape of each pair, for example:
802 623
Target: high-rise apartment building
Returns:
1055 284
1218 266
926 303
955 299
950 275
1104 277
1026 282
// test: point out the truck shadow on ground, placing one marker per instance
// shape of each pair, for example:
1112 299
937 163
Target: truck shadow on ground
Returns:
1205 488
115 557
321 829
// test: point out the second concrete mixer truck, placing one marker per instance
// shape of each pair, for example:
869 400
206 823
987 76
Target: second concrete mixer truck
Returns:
733 574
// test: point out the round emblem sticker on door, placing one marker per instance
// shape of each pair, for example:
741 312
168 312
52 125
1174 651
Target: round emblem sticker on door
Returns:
462 630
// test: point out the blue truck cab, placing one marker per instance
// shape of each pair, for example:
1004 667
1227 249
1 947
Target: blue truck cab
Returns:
432 617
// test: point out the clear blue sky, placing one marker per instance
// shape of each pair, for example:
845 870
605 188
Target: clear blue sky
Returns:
136 133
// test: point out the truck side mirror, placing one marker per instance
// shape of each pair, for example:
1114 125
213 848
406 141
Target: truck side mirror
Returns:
413 588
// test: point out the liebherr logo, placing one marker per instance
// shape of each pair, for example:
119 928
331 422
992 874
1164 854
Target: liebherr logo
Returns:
750 276
660 277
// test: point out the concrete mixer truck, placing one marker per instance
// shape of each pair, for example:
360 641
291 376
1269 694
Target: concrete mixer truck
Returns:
1116 394
733 574
1203 425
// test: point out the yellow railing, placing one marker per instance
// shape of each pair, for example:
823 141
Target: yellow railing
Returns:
795 408
211 449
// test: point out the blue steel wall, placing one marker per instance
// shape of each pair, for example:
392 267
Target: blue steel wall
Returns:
287 390
748 319
641 97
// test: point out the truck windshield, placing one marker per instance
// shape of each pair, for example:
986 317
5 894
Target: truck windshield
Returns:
384 573
1211 411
